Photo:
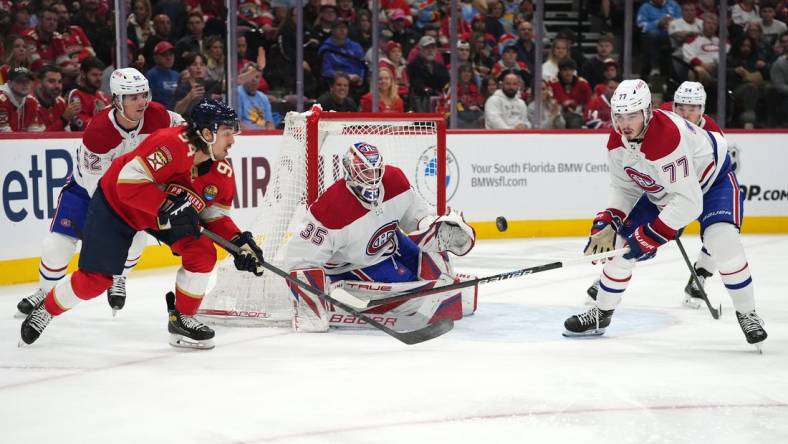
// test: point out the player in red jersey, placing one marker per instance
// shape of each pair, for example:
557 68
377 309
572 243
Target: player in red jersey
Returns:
176 180
88 93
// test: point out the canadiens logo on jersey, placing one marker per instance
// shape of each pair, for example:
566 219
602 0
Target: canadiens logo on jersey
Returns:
384 237
644 181
209 192
159 158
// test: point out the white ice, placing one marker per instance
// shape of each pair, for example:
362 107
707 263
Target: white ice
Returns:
661 374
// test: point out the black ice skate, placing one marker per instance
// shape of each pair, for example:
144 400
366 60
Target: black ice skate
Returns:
592 292
34 324
693 298
26 305
187 331
116 294
752 326
591 323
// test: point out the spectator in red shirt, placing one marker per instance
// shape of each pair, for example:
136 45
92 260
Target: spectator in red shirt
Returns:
17 55
394 62
20 18
598 111
572 92
389 99
75 41
88 93
510 63
18 109
44 43
53 112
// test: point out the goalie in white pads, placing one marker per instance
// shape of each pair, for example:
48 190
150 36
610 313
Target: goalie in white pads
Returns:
680 173
354 236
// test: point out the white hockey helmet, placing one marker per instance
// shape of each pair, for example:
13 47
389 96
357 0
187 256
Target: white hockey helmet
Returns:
631 96
690 93
126 81
364 168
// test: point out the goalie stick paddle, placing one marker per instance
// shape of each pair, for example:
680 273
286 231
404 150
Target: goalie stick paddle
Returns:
408 337
361 304
715 313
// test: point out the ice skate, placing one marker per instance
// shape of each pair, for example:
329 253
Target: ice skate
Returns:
116 294
34 324
26 305
692 295
187 331
752 326
591 323
592 292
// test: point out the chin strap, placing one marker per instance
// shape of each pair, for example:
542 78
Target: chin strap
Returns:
209 144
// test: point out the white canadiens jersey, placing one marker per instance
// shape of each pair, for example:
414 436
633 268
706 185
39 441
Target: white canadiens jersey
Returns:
104 140
676 163
339 234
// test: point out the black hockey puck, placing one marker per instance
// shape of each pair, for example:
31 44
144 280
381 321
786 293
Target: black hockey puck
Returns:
501 223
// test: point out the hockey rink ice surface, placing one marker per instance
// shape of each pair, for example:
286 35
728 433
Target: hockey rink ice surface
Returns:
661 374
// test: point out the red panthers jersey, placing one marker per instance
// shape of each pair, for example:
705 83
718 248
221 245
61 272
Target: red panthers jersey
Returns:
21 117
76 44
90 105
41 52
51 116
135 184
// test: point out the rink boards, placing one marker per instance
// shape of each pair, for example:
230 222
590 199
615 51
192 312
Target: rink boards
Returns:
543 183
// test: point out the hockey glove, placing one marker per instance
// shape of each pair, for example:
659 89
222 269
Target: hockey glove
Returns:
251 256
643 243
179 217
446 233
603 232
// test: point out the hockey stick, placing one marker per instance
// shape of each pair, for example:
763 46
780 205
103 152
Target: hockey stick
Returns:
409 337
362 304
714 312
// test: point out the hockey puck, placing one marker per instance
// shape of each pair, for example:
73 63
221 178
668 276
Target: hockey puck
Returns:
501 223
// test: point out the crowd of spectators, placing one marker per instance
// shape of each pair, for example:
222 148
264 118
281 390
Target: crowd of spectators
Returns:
57 56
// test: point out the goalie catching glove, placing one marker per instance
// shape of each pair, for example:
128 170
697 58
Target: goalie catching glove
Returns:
250 258
449 232
603 233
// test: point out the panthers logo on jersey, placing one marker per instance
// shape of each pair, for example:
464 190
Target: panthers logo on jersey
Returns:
644 181
384 237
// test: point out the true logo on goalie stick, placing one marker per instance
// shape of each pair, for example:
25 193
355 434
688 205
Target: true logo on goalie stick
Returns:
384 238
643 180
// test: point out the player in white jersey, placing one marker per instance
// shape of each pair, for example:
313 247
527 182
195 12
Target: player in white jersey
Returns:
685 173
114 131
355 234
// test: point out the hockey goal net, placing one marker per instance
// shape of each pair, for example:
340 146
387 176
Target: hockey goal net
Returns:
310 160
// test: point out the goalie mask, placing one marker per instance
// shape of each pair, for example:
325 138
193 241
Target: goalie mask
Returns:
364 169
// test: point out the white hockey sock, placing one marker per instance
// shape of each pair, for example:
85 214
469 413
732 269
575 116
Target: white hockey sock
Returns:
613 281
705 261
57 250
724 244
135 251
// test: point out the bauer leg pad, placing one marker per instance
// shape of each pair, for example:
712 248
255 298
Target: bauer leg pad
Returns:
309 311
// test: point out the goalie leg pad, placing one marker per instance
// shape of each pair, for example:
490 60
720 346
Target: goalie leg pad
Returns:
470 295
310 313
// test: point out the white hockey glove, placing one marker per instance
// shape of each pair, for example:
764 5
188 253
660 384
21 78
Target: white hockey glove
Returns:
446 233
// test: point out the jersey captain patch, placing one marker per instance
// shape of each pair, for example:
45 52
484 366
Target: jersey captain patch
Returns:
644 181
384 237
159 158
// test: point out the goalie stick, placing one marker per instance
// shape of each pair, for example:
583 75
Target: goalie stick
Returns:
362 304
408 337
715 313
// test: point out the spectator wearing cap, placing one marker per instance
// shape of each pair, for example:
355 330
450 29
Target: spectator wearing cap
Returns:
394 62
342 54
401 31
505 109
464 57
653 19
77 45
161 33
559 50
389 100
593 70
254 109
526 48
427 77
162 78
44 43
192 42
571 92
431 30
18 109
687 26
53 112
139 25
97 27
88 93
16 55
509 63
336 99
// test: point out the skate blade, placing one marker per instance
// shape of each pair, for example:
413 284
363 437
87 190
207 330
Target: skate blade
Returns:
586 334
180 341
19 315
